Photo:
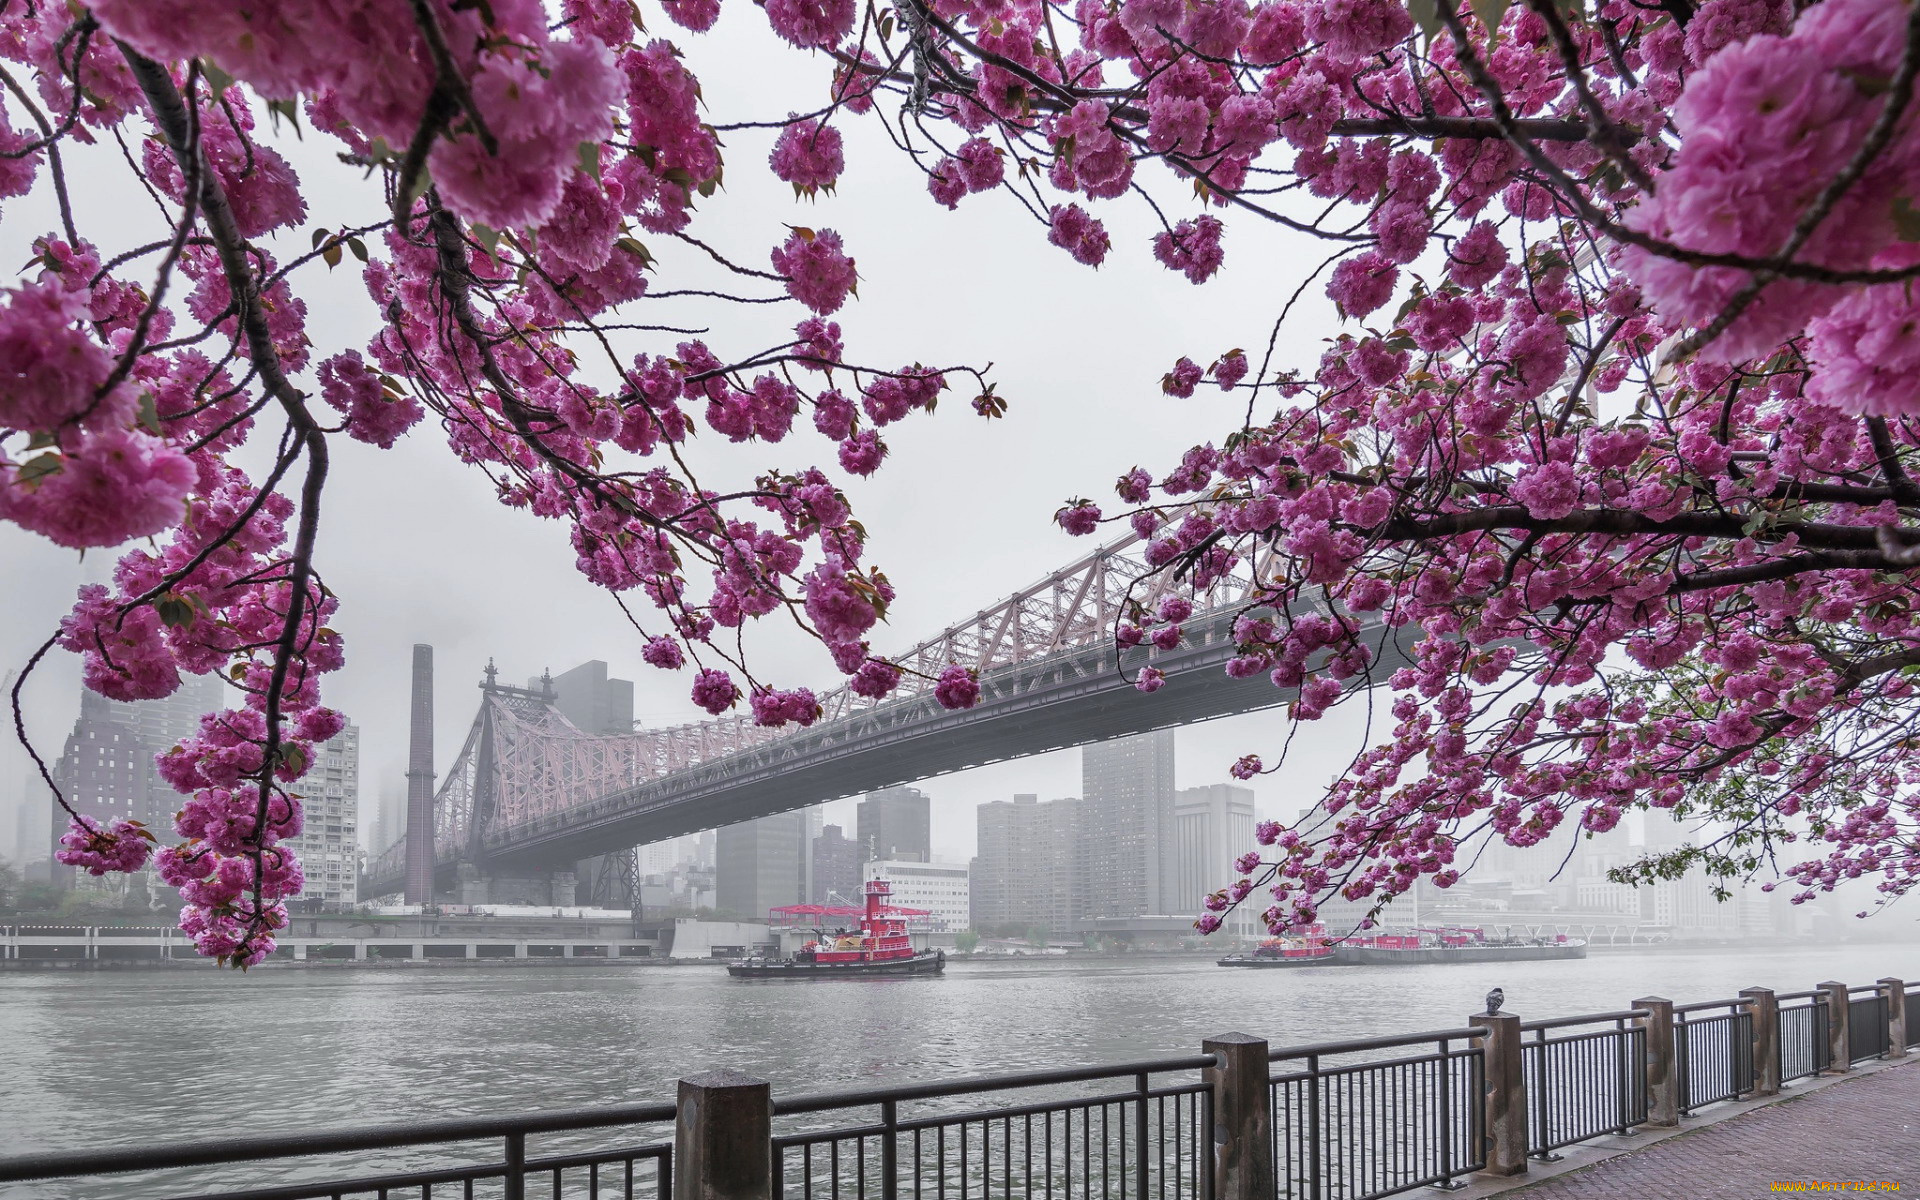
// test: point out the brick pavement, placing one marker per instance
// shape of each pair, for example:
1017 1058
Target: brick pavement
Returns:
1856 1129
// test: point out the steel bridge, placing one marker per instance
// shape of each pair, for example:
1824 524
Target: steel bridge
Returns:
530 792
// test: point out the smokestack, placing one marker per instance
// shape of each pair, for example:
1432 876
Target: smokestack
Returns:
420 782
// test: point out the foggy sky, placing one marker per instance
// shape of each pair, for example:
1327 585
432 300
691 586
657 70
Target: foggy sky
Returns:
960 516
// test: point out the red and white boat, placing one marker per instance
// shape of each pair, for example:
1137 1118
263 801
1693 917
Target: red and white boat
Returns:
1307 948
882 946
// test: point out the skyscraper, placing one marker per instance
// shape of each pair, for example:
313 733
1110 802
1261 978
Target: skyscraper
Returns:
1024 874
107 768
837 861
896 823
1128 800
761 864
420 779
593 702
1213 825
327 843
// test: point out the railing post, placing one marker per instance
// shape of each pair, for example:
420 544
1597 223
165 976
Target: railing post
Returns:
1242 1117
1839 1045
1506 1098
1663 1082
1765 1011
1895 991
515 1183
723 1138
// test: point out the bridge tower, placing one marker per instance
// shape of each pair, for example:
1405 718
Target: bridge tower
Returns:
420 781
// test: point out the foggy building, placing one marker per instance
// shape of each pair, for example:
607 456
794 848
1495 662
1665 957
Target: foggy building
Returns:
896 823
1024 874
940 888
327 844
761 864
389 822
1213 825
107 770
837 873
1127 799
811 822
588 698
30 823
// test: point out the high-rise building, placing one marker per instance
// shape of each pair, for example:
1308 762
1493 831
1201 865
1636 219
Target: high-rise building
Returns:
896 823
1213 825
328 842
1127 796
389 822
761 864
419 836
31 842
107 768
940 888
594 703
837 871
811 824
1024 874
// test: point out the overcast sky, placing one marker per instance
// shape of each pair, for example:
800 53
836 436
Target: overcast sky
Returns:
960 516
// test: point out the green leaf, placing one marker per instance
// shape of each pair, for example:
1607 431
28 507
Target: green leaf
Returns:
358 247
1490 13
38 468
489 239
590 159
1906 219
1425 14
331 254
421 182
149 414
290 109
218 81
174 611
294 758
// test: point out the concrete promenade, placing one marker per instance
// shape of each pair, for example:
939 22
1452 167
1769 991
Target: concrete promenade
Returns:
1862 1127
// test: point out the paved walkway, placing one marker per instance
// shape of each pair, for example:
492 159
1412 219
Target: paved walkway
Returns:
1865 1129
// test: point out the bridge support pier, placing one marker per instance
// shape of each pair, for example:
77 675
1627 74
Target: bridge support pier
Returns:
555 889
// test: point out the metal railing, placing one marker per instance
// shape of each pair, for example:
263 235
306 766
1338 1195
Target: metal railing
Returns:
1581 1085
1713 1052
1804 1048
1133 1141
625 1172
1867 1031
1348 1128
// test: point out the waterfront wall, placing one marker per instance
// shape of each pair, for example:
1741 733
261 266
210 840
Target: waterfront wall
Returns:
436 939
1240 1120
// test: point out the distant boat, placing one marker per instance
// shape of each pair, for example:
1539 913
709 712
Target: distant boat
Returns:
881 947
1453 944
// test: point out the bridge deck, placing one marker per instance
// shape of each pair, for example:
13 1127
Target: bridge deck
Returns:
1860 1129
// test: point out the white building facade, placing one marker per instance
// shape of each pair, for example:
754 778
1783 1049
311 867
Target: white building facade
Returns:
942 888
328 843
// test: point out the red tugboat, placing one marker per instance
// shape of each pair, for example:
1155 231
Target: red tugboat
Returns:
1309 948
882 947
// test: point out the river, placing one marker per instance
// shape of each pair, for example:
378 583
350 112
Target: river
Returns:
121 1058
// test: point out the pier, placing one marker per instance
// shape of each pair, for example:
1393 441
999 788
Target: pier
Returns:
441 939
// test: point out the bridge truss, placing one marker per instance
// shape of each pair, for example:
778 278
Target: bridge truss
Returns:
527 784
